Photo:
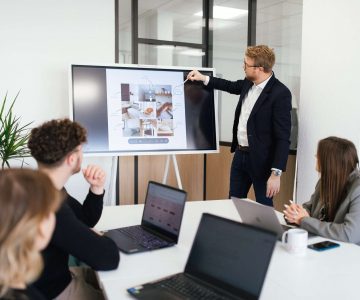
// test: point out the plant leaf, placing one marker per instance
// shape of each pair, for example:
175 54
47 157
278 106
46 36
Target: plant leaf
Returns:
13 135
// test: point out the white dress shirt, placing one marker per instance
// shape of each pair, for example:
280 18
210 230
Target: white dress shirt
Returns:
246 108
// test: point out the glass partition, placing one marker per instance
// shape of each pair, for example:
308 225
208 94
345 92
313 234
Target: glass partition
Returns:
168 55
230 41
279 24
176 20
124 36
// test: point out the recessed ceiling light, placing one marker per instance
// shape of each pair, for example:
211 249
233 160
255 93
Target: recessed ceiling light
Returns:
167 47
192 52
223 12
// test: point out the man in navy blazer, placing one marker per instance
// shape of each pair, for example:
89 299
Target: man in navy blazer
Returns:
262 124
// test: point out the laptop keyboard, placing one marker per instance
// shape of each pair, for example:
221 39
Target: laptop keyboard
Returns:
143 237
189 288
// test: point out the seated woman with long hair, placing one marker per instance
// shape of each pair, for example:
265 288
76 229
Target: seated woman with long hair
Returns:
334 209
28 201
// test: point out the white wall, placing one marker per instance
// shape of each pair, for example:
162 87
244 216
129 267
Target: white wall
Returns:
329 94
39 40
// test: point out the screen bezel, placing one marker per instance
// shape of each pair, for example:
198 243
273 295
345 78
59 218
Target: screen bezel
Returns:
152 227
145 152
271 236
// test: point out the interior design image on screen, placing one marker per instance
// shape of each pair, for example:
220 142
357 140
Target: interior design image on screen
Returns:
135 110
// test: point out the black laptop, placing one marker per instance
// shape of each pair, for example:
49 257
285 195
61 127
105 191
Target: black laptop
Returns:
160 224
228 260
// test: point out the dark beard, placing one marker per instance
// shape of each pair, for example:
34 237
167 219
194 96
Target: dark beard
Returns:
77 168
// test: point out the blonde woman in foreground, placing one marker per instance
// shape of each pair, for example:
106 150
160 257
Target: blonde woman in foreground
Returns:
28 201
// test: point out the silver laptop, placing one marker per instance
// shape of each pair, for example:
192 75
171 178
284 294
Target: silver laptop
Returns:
259 215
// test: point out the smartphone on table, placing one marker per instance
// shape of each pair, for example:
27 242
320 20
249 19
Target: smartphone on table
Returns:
324 245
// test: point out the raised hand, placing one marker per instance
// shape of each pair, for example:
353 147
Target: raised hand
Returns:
196 75
95 176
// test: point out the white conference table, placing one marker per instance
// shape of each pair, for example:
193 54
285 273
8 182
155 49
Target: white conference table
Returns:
332 274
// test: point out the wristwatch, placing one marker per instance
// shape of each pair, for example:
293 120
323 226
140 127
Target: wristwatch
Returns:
276 172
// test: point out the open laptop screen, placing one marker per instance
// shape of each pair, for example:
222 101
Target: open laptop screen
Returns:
164 206
232 255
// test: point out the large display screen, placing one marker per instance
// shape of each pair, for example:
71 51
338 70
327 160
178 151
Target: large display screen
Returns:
134 110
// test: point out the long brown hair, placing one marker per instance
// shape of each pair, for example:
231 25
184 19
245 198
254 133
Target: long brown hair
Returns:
27 197
337 158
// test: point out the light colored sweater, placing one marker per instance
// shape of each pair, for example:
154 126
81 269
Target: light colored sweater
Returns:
346 224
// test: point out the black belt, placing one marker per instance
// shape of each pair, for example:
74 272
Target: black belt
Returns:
244 148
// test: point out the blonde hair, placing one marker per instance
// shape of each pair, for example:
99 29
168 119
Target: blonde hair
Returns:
263 56
27 197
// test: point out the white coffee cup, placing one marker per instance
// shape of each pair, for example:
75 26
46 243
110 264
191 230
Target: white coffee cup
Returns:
295 241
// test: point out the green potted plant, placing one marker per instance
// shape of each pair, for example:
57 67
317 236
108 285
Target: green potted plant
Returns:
13 135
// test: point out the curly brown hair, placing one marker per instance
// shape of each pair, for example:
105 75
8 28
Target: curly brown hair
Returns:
52 141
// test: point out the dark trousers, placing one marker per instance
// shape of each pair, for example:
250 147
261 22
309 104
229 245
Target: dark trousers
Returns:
241 179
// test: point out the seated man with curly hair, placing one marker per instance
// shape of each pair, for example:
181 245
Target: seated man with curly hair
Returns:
57 147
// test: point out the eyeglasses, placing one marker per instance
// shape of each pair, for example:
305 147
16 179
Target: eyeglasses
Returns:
246 65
